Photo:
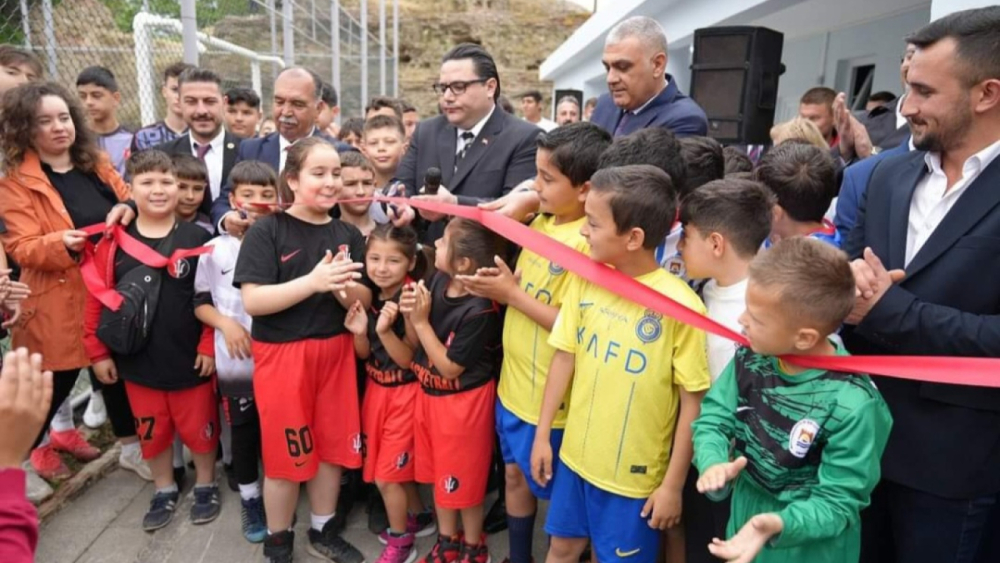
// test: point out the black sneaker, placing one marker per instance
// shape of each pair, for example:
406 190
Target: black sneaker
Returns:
206 505
378 520
496 519
161 511
234 485
329 545
278 547
179 477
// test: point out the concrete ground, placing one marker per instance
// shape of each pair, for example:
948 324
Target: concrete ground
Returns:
103 526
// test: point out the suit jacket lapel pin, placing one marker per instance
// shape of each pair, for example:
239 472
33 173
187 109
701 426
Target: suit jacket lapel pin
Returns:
230 146
486 141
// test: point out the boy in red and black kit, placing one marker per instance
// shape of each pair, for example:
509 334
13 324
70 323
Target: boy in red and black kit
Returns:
164 355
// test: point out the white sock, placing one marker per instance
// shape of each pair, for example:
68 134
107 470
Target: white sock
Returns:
171 489
63 419
319 521
130 448
251 491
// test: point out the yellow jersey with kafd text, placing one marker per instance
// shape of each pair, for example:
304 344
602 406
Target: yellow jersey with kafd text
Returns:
526 349
630 361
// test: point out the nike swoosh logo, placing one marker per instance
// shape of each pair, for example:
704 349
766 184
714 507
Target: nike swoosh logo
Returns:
226 272
743 409
585 304
620 553
290 255
297 464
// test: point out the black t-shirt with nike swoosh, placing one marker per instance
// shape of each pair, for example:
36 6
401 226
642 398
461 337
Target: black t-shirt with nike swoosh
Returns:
280 248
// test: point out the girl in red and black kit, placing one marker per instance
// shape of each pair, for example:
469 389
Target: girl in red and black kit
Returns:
387 410
297 277
456 362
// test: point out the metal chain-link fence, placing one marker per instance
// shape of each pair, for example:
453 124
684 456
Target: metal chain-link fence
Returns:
242 40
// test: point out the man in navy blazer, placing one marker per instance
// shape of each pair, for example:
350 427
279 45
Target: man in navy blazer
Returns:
933 214
642 94
297 104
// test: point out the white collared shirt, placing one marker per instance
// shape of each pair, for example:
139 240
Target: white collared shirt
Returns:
932 199
637 110
900 118
213 161
284 144
476 129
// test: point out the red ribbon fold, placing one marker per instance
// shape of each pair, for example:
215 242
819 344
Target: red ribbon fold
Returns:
932 369
102 286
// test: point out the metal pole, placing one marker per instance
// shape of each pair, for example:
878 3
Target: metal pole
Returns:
144 68
50 40
189 23
286 30
381 46
364 53
335 45
26 24
255 77
395 48
314 18
274 37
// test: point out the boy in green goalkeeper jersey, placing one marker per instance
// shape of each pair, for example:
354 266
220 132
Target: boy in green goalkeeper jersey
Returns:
808 442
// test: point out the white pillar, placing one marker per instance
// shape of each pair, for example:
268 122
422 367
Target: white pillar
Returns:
335 46
364 53
189 24
287 18
50 40
395 48
381 47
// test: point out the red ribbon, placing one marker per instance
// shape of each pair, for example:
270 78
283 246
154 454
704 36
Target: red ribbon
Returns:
102 286
933 369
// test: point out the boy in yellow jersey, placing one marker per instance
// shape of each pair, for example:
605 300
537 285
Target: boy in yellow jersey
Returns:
637 382
567 157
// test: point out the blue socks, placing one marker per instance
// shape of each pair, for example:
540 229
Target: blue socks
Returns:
521 531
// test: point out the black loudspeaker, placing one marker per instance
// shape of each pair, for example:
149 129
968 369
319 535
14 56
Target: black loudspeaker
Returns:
560 94
734 78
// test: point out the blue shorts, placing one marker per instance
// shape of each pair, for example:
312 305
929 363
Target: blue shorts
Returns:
516 438
613 523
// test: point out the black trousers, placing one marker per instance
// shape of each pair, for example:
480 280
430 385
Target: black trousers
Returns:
62 384
911 526
115 399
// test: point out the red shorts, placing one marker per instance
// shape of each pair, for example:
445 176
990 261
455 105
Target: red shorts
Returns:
307 397
387 421
192 413
454 445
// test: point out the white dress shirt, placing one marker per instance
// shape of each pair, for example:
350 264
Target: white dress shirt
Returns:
932 199
476 129
900 118
213 161
283 146
639 109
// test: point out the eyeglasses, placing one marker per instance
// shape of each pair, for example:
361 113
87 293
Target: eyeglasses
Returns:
458 87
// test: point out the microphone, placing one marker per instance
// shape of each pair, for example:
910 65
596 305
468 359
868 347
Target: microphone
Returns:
432 180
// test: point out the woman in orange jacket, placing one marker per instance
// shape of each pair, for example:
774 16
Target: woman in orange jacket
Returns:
57 181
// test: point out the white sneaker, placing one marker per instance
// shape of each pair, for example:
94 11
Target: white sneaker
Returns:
96 414
37 490
133 462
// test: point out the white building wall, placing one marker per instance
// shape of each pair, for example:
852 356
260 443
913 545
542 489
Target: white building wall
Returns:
879 42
